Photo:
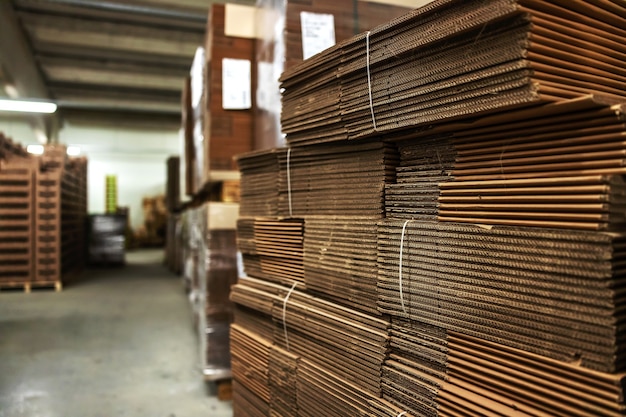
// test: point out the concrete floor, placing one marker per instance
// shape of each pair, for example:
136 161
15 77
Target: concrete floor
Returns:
118 343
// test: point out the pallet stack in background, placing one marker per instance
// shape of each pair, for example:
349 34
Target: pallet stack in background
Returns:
44 208
17 214
445 233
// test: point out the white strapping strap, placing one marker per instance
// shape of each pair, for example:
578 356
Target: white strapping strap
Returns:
400 267
289 181
401 414
293 287
369 77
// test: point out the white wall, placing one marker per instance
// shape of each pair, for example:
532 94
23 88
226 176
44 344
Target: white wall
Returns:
19 129
136 157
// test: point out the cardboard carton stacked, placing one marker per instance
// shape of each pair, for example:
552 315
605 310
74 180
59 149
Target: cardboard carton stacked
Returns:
217 100
228 123
499 262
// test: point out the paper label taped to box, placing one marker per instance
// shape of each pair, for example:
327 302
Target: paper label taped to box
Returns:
236 84
318 32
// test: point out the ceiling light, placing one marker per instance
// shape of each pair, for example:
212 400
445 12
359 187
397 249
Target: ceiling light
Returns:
73 150
35 149
27 106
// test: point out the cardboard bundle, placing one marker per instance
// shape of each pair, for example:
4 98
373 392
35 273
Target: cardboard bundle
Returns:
350 344
250 361
290 31
432 372
272 249
558 165
311 111
454 58
259 185
547 291
321 393
342 179
340 256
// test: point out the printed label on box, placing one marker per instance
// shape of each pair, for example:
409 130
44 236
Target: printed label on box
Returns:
318 32
236 84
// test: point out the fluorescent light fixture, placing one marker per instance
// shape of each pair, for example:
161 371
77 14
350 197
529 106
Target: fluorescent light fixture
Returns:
73 150
35 149
27 106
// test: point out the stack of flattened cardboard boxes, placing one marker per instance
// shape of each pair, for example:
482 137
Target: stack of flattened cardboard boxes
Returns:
498 251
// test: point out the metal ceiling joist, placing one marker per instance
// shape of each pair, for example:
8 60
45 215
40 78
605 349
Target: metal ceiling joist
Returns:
49 51
71 32
20 69
124 12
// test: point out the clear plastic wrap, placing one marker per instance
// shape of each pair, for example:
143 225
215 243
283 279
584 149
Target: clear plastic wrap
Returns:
217 271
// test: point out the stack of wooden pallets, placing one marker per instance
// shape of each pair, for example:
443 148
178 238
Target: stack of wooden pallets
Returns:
17 178
43 201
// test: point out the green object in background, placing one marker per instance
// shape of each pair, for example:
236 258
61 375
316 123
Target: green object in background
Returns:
111 194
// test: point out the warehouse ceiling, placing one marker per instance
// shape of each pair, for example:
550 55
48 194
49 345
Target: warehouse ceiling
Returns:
115 60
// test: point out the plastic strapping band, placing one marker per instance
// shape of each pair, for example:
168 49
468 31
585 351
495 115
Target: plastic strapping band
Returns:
289 181
293 287
400 267
401 414
369 77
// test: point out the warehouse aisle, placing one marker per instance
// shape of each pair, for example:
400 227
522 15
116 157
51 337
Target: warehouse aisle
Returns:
119 343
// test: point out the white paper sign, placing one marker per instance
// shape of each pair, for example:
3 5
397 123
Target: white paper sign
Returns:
236 84
318 33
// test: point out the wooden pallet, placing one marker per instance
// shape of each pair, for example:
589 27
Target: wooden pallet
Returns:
48 227
16 221
28 286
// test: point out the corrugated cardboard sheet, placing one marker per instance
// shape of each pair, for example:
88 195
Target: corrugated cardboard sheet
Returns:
272 249
340 260
259 185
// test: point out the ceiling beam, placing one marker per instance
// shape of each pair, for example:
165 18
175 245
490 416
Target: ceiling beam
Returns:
20 70
114 78
49 51
117 119
72 32
186 20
